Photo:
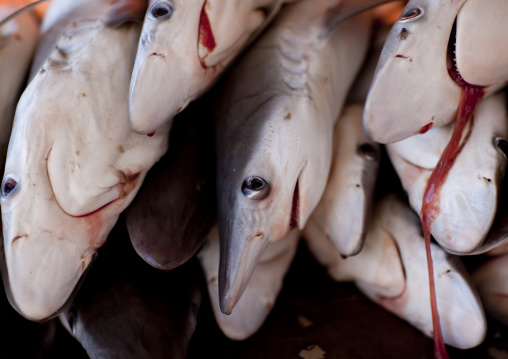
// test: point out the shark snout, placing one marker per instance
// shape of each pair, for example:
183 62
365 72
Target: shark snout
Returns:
43 269
157 91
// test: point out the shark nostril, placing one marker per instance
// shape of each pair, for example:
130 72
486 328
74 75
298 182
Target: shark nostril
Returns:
17 238
502 145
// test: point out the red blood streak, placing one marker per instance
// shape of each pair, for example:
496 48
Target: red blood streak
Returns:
206 37
470 97
150 134
426 128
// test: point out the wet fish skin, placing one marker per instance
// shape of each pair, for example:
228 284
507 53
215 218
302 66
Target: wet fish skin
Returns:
413 71
283 94
343 212
83 166
468 199
168 74
126 309
262 290
397 230
175 208
479 29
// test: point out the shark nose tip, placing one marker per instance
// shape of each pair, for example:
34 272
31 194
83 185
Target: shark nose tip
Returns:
226 305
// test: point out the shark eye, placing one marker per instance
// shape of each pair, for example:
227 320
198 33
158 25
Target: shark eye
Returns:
369 152
412 14
160 10
8 185
502 145
255 187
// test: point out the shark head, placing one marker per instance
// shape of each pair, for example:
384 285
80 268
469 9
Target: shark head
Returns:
184 47
266 186
73 164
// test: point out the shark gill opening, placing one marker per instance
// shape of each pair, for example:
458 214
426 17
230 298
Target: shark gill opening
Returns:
295 207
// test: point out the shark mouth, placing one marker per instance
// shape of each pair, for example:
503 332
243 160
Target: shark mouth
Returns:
10 297
451 59
295 208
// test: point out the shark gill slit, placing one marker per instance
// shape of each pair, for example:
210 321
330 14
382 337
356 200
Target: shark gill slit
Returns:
295 207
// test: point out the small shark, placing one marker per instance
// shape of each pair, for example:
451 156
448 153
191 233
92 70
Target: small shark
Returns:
73 164
275 129
185 46
412 89
469 196
392 271
344 210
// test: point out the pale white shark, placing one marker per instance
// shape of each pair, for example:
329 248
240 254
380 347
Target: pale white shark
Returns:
343 213
73 163
392 271
481 30
412 89
468 199
184 47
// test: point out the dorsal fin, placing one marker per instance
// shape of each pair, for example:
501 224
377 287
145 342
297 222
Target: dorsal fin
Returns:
125 11
21 11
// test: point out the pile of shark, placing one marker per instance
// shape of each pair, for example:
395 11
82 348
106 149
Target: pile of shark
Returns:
223 132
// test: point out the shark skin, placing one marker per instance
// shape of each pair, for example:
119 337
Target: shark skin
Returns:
175 209
344 210
391 270
62 194
184 47
413 70
260 294
470 195
127 309
481 27
274 132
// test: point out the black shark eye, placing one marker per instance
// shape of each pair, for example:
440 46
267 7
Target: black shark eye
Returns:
502 145
160 10
8 185
72 318
369 152
255 187
412 14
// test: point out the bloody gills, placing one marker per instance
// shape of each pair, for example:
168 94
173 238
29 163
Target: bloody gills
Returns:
470 97
206 37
